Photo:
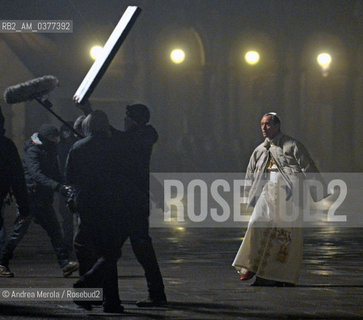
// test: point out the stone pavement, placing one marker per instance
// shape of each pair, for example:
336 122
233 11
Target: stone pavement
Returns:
200 282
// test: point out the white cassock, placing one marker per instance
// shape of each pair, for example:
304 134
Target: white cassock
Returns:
273 243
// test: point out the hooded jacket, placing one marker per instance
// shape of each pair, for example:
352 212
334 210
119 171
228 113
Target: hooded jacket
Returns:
41 168
292 160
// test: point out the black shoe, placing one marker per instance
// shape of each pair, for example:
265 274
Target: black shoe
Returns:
5 272
79 284
149 302
83 304
261 282
69 268
287 284
113 308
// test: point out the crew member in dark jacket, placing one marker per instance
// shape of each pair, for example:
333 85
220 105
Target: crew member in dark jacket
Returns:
95 171
141 137
11 181
42 179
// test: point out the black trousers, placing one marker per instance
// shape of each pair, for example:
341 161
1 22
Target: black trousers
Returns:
143 249
67 225
98 247
44 214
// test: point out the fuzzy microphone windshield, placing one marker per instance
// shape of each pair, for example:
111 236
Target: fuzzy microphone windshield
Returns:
31 89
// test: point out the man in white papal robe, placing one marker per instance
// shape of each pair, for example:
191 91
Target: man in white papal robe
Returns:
273 243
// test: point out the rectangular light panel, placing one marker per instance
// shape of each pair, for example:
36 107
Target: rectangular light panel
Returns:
110 49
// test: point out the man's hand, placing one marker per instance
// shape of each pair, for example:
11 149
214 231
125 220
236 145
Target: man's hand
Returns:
70 200
85 107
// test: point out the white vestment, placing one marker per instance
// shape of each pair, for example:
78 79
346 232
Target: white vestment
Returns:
273 243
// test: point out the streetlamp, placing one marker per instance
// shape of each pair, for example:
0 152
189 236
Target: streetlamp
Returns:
95 52
252 57
324 60
177 56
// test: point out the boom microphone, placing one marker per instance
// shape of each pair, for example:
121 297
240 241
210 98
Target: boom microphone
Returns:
31 89
35 89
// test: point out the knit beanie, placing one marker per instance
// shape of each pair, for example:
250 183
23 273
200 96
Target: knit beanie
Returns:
48 130
139 113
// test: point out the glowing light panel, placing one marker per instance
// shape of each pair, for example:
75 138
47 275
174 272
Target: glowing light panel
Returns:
110 49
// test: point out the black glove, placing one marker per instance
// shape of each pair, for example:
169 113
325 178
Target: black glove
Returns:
65 191
70 201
